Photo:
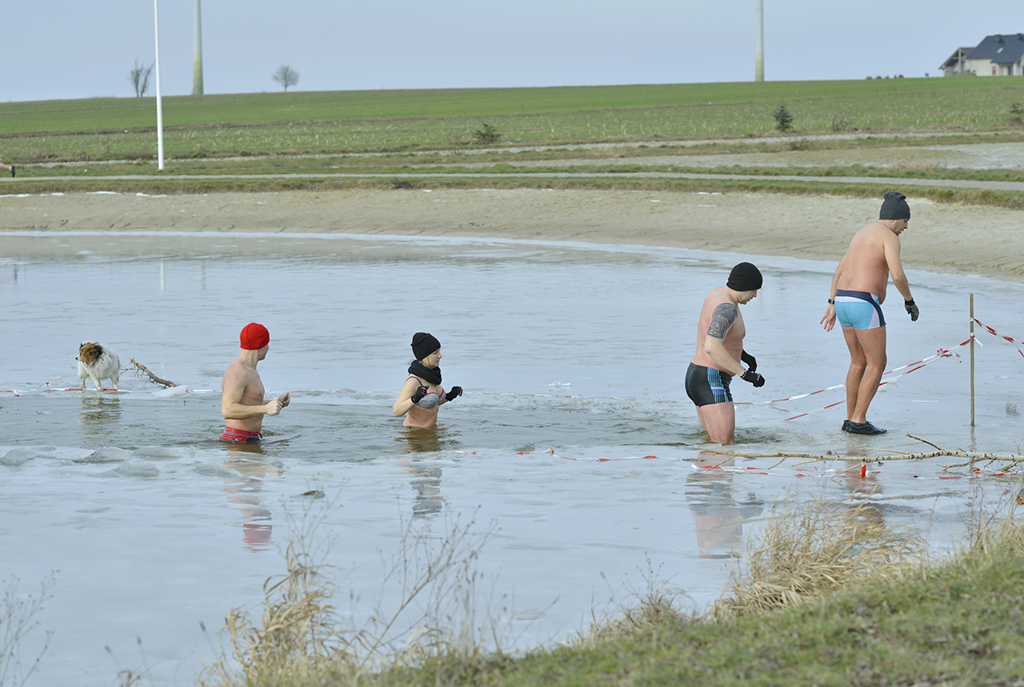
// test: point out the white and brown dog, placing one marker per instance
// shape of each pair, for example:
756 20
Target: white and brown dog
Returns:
98 363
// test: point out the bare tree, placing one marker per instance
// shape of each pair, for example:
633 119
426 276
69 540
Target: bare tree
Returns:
286 76
139 78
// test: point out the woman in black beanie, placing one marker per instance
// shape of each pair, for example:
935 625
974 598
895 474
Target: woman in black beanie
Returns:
422 392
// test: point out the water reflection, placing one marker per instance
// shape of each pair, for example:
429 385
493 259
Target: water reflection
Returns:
717 514
245 490
863 485
99 411
416 444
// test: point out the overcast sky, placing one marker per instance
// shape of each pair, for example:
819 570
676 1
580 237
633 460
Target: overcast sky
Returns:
56 49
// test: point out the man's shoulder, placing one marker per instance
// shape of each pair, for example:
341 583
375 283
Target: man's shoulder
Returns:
875 234
236 370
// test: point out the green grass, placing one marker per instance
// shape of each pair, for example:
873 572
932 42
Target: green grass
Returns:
426 132
359 121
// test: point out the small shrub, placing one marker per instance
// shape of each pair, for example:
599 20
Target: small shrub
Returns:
486 135
1016 113
403 184
783 118
840 122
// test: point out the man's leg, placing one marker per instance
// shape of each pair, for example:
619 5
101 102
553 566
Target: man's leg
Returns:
871 346
719 421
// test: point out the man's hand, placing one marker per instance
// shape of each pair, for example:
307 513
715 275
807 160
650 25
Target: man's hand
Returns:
274 407
912 310
420 393
749 361
753 377
829 319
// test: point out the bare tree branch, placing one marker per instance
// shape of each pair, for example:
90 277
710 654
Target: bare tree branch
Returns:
139 78
286 76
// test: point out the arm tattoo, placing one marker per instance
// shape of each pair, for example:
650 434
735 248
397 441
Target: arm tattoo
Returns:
721 319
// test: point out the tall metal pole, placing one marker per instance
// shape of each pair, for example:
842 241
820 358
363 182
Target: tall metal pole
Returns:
197 53
759 48
159 102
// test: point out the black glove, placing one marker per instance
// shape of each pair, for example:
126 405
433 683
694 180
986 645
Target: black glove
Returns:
912 309
749 361
753 378
418 396
453 394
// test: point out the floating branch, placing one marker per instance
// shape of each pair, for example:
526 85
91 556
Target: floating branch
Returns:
143 368
971 457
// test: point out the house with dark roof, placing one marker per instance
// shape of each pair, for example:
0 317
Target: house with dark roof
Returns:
957 62
998 55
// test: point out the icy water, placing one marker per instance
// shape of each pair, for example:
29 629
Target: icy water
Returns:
574 446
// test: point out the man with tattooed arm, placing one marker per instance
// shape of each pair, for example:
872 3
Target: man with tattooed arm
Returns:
720 354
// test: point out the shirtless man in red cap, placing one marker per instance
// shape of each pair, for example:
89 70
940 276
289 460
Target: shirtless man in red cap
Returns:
242 403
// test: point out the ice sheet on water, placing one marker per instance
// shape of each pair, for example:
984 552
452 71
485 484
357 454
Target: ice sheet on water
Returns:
158 453
17 456
211 470
136 469
107 454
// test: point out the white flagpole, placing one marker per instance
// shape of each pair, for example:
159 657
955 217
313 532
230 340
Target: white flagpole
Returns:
159 103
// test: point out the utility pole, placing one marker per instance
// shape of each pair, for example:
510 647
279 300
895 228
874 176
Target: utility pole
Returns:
759 48
197 53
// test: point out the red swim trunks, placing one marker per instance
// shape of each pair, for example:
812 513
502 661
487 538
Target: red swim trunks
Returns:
239 436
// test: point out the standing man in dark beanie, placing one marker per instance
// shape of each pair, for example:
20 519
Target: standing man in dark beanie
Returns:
720 354
855 299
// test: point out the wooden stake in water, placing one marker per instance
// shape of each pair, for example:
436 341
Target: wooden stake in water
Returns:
972 360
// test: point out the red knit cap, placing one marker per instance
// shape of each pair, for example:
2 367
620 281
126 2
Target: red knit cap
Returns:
254 336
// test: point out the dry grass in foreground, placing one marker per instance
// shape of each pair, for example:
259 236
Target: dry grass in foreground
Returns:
806 550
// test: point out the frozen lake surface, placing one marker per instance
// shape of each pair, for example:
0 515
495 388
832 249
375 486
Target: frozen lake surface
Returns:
575 444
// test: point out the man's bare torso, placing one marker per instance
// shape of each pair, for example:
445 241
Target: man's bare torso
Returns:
734 336
252 395
865 267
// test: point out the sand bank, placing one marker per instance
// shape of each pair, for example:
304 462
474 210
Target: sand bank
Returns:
988 241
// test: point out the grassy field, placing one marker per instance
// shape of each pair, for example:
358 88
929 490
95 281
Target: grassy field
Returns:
344 123
331 140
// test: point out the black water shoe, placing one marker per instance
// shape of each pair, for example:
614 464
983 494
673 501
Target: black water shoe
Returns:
846 425
864 428
12 171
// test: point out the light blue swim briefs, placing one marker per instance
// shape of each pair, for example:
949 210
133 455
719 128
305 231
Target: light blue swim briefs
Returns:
859 309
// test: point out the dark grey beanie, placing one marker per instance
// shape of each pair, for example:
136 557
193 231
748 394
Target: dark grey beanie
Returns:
423 344
894 206
745 277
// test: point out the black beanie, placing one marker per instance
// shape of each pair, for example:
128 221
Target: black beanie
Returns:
745 277
424 344
894 206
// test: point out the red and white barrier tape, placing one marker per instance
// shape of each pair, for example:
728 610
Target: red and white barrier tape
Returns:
993 332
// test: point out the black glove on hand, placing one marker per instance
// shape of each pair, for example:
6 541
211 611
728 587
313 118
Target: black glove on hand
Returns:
418 396
453 394
753 378
912 309
749 361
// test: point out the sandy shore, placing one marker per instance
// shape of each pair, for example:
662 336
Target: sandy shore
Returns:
978 240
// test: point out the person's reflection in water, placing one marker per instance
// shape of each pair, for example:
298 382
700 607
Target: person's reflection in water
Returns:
862 488
99 411
425 480
250 462
718 516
